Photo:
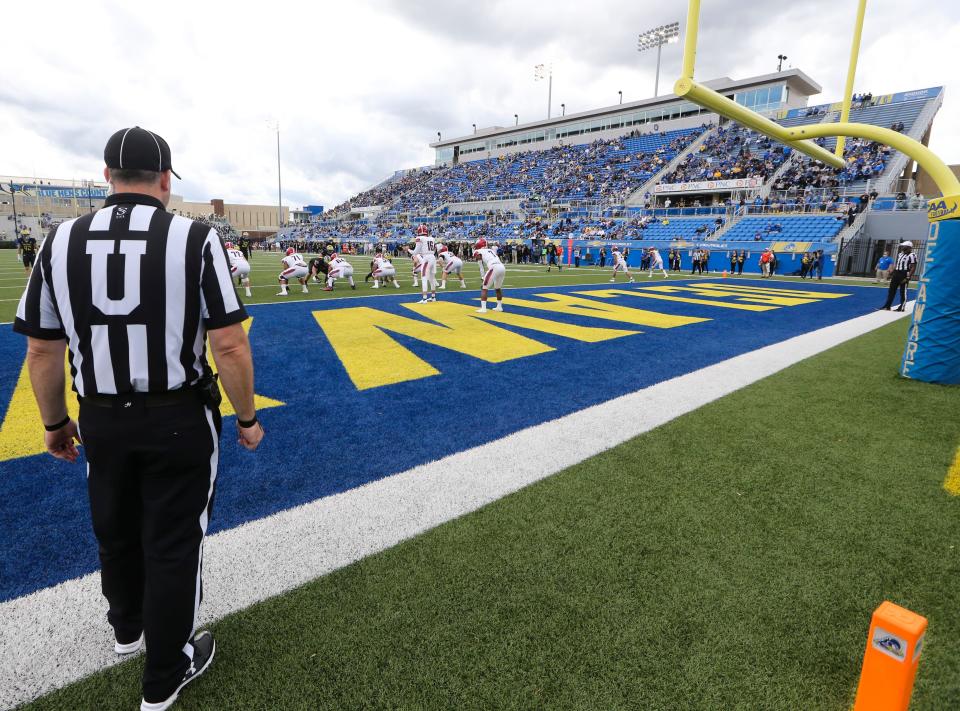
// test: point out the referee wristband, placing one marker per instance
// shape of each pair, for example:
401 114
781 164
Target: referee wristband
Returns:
247 423
59 425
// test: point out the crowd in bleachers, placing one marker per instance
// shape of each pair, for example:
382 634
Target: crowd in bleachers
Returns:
731 152
589 182
857 101
604 170
865 159
223 227
387 192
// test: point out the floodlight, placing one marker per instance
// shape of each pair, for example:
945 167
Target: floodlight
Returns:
657 37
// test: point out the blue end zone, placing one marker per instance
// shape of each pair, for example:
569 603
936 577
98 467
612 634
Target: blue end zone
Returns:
329 437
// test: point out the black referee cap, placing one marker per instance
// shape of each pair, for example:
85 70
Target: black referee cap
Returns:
138 149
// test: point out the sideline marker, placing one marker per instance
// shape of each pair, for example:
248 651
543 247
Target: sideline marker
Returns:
890 663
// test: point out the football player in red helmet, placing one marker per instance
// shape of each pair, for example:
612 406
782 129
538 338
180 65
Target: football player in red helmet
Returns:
293 268
619 264
452 264
493 272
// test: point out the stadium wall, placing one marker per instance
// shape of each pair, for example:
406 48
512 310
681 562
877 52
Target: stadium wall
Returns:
907 224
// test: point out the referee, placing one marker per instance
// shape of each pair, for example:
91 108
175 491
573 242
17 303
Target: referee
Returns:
903 269
134 291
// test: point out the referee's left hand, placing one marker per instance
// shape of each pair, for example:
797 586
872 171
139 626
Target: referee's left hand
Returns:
61 443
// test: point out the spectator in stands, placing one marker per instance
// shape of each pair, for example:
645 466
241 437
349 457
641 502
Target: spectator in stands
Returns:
917 202
900 202
851 214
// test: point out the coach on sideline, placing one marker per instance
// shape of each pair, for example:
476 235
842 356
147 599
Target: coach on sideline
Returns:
134 291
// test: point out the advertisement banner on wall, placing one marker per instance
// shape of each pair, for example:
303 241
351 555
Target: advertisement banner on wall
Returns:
706 186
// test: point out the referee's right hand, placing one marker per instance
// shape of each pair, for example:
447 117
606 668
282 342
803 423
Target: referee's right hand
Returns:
249 437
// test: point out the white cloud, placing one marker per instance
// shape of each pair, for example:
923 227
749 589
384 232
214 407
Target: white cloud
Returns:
361 88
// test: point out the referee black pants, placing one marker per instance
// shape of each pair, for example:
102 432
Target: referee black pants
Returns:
151 480
897 281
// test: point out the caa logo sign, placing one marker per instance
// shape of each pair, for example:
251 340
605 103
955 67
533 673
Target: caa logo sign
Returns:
941 209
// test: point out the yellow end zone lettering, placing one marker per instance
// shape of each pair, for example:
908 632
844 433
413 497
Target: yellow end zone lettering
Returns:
21 434
740 296
793 293
576 306
656 292
372 358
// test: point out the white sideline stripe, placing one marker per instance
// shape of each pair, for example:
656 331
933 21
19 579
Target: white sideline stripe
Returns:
57 635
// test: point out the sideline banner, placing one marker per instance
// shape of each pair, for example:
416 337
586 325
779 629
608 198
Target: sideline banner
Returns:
703 186
932 353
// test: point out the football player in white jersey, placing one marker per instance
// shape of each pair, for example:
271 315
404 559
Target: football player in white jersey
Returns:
619 264
383 270
452 264
423 247
493 272
656 262
339 268
293 268
239 266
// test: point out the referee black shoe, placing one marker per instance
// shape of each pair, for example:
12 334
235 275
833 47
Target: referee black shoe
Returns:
204 647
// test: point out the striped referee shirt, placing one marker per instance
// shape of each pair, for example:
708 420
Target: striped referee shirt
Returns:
905 262
133 289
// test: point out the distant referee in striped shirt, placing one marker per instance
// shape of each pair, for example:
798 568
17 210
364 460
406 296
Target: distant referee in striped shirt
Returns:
903 269
134 292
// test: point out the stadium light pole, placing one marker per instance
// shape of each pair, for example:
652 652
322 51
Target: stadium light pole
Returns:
275 124
781 57
621 96
36 189
541 71
563 108
657 37
474 128
516 120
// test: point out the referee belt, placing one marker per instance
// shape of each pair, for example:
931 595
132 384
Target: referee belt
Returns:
183 396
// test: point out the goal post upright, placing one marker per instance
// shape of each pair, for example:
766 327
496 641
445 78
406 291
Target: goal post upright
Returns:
851 70
932 353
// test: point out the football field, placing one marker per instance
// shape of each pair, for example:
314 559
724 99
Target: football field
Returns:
687 493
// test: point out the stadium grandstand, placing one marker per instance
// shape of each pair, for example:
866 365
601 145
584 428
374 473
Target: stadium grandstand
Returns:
662 171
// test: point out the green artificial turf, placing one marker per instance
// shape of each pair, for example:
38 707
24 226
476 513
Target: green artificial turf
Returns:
730 559
265 267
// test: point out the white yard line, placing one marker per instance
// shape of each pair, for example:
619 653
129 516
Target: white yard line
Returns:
58 635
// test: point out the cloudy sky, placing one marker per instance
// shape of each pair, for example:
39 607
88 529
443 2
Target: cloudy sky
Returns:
360 88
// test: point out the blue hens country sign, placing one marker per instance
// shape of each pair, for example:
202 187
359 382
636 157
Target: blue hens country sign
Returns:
342 384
